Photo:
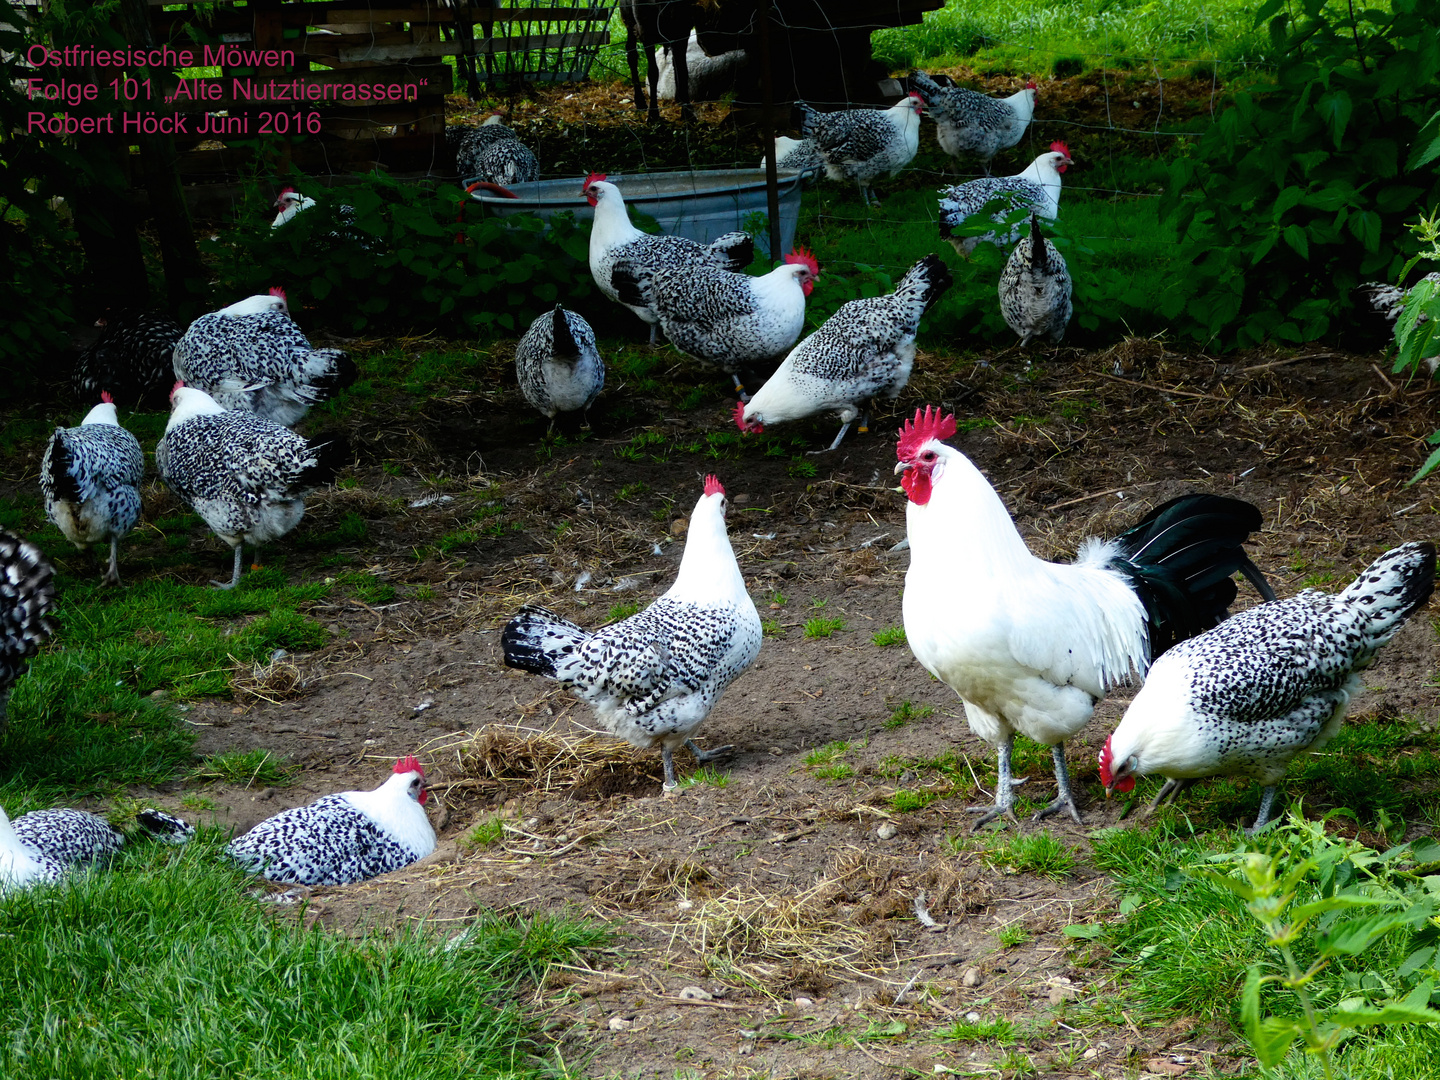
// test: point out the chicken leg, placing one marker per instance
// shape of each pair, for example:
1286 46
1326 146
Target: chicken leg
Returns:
1065 799
112 572
1267 800
1005 785
235 577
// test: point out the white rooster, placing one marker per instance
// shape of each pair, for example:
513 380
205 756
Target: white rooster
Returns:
723 319
244 475
343 838
865 350
973 124
654 677
1267 684
1030 645
251 357
613 237
1036 189
862 145
90 477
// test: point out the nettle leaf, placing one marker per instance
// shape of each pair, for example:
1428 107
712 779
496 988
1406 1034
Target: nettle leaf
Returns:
1354 936
1336 107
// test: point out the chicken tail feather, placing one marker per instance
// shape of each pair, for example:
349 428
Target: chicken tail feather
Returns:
538 641
1392 588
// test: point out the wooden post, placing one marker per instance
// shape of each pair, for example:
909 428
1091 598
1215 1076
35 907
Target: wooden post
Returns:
767 130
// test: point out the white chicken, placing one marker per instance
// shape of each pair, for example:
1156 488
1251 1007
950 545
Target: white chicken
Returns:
343 838
90 477
45 845
251 357
244 475
1035 288
1266 685
558 364
972 124
613 237
1030 645
1036 189
653 678
865 350
863 145
723 319
27 596
798 154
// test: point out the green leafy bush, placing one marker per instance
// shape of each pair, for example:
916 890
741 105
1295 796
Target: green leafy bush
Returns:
1300 190
404 261
1416 341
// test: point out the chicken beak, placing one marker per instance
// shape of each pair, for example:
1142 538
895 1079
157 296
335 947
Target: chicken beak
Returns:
1109 791
902 466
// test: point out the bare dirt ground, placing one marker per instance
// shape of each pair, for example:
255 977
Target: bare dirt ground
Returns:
788 896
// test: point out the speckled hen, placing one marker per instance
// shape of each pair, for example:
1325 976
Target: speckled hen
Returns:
251 357
653 678
131 359
1035 288
244 475
798 154
724 319
1030 645
491 152
613 237
865 350
90 477
1036 189
27 595
343 838
972 124
45 845
558 364
862 145
1267 684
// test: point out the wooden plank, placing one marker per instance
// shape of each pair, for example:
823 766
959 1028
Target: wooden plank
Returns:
485 47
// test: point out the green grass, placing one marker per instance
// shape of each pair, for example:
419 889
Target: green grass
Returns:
823 628
1034 853
621 611
253 768
487 833
1012 936
906 801
907 712
891 635
165 967
707 775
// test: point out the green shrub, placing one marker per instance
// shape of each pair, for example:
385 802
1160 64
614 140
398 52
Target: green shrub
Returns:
1300 190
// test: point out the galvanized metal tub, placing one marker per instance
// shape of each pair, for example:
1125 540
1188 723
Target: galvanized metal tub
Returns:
702 204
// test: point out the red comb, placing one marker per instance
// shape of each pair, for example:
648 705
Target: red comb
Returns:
286 191
803 256
1060 148
276 290
594 176
1031 85
179 385
713 486
105 397
409 764
1107 770
926 425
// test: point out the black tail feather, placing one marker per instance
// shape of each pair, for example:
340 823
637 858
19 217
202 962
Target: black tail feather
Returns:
330 458
1181 559
57 464
562 341
529 640
1039 250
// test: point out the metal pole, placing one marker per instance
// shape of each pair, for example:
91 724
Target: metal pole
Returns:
767 130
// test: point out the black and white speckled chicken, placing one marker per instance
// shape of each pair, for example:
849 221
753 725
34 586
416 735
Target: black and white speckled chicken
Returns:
723 319
90 477
131 359
613 237
1036 189
244 475
27 595
492 153
1035 288
1389 300
971 124
343 838
798 154
558 364
1030 645
862 145
864 351
653 678
251 357
45 845
1267 684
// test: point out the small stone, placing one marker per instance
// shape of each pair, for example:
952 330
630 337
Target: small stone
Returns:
696 993
741 499
684 905
619 1023
804 1002
159 695
972 1018
1062 991
1091 1054
887 831
970 977
775 751
679 527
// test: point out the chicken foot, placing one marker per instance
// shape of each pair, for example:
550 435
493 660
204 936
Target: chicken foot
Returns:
1267 800
1166 794
112 572
702 756
235 577
1065 798
1005 786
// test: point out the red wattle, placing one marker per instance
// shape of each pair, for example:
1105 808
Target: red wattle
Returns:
917 486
